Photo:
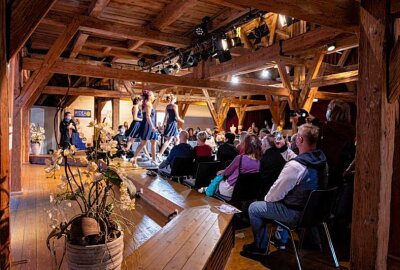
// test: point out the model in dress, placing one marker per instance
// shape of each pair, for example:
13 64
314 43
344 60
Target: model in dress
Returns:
133 131
147 131
170 123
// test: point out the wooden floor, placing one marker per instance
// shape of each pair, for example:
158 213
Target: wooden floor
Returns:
30 226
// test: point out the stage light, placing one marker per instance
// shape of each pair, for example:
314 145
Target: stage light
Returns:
222 56
236 42
282 20
315 100
224 44
141 62
331 47
235 79
265 74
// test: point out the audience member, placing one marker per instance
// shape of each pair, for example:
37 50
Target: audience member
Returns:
240 146
263 132
293 145
287 197
249 162
183 149
227 151
337 140
267 142
273 161
202 149
192 136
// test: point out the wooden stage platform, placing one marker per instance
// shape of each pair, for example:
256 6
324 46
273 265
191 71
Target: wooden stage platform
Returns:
200 237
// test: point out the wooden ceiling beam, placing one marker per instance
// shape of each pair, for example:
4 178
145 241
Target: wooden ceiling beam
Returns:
333 79
98 70
40 76
98 27
96 7
347 97
172 12
343 14
25 18
78 44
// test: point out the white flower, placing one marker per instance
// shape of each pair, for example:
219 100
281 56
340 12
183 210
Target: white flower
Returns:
92 167
84 161
97 177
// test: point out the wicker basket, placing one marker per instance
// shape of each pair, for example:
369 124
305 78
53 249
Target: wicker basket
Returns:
105 256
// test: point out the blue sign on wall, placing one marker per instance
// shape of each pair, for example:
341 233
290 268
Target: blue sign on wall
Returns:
83 113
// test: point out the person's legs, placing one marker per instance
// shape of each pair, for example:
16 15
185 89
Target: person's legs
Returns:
165 145
138 149
260 212
153 150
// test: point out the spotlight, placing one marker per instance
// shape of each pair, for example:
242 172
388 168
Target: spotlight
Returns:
167 70
235 79
331 47
236 42
265 74
222 43
222 56
141 62
199 31
282 20
188 60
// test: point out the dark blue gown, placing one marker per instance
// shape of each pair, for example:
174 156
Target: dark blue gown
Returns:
134 128
145 132
171 130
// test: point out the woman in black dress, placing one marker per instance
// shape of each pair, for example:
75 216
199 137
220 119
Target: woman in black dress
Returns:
147 129
170 122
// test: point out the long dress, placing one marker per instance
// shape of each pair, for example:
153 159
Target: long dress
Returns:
134 128
171 130
146 132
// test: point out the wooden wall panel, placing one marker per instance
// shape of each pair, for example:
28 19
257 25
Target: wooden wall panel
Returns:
4 147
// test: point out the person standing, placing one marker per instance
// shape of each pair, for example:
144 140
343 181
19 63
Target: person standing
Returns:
67 130
148 131
170 123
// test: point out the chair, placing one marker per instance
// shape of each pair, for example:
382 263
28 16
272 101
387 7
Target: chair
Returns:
206 171
317 211
247 188
182 167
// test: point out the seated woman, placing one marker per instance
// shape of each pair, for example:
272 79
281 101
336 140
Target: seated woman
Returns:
249 162
202 149
240 146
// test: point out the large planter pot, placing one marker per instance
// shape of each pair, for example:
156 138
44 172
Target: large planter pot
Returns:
104 256
36 148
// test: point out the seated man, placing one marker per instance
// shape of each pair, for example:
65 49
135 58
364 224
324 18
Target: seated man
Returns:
183 149
121 140
288 196
227 151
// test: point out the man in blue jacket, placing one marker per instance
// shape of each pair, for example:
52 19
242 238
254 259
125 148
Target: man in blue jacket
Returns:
288 195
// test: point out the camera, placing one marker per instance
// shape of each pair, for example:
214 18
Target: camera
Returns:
278 136
300 112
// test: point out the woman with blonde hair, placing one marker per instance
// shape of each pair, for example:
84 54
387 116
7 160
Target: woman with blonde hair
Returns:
170 123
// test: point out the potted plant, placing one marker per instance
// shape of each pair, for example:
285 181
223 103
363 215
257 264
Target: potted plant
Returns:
37 137
93 235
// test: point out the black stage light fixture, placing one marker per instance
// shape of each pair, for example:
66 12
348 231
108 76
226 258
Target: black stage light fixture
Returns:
141 62
222 56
